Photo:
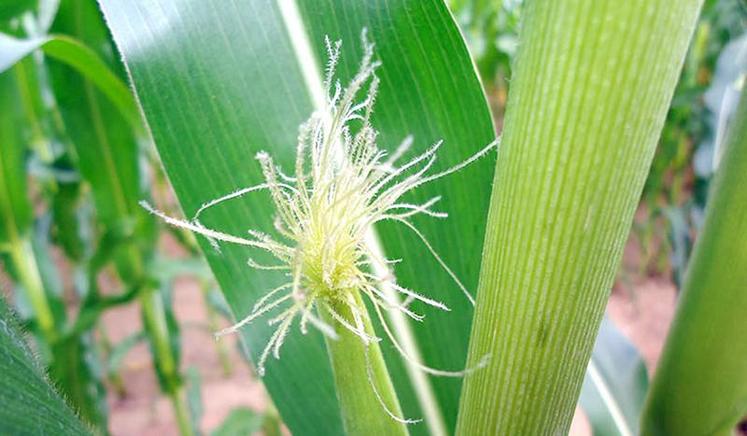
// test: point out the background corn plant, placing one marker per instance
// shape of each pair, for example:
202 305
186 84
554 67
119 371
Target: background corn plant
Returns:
72 123
219 82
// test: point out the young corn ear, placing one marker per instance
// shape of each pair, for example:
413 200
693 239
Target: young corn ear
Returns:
342 185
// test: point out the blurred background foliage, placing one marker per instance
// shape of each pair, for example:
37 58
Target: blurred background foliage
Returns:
74 242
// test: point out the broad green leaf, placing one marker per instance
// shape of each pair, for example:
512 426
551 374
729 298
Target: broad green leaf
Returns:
219 84
615 385
28 403
77 56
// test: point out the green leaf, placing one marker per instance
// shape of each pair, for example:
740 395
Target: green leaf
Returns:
615 385
75 369
48 273
15 14
106 149
700 386
77 56
241 421
10 9
15 207
70 224
29 403
37 126
219 84
106 146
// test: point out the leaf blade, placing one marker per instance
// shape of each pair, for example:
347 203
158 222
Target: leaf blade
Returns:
78 56
29 403
214 99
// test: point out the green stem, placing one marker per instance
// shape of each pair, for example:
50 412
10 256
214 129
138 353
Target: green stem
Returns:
591 87
214 326
67 364
362 413
701 381
154 315
181 412
24 261
105 348
153 311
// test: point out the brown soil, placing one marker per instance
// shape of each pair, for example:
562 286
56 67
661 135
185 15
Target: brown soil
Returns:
144 410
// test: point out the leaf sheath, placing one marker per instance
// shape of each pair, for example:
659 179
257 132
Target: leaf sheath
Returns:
701 382
593 81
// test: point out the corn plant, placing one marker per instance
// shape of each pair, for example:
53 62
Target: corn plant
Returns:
310 375
338 164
